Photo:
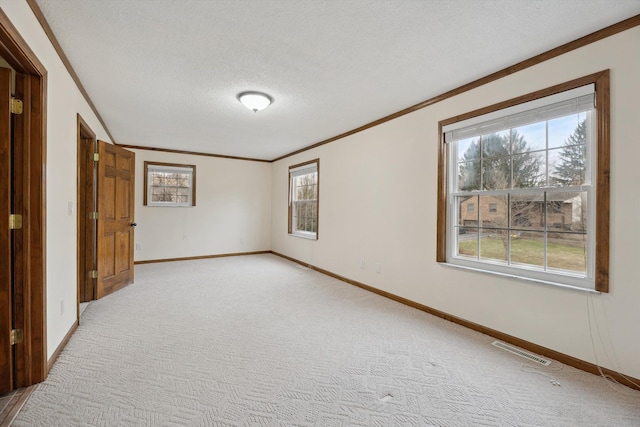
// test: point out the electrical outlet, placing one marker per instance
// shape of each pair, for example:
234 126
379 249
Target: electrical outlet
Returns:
138 246
70 208
362 264
378 268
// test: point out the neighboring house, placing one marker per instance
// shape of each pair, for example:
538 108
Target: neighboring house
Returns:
565 212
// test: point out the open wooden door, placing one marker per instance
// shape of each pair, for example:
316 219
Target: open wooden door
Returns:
87 204
116 224
6 317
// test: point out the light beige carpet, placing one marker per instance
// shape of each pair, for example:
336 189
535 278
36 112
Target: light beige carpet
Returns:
257 340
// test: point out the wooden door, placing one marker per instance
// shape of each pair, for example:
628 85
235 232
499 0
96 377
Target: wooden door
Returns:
6 317
115 218
86 205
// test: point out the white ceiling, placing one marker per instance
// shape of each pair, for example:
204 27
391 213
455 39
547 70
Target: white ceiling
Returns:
165 73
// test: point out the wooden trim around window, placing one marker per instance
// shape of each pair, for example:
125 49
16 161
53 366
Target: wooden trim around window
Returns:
603 111
601 82
179 165
290 209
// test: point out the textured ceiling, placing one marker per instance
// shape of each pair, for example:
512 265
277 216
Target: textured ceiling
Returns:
165 73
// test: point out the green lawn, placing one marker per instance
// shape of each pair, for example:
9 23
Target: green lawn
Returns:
529 251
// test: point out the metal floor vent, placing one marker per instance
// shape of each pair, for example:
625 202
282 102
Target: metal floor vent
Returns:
522 353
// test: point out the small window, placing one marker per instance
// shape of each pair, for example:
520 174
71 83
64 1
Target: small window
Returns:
169 184
537 167
303 199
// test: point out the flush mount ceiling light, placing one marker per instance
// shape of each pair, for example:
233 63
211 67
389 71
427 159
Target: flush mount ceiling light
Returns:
255 101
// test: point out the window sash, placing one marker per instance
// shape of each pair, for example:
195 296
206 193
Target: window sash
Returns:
303 212
304 221
180 194
464 130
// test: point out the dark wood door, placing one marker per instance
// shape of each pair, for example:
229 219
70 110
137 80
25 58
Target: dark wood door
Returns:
115 218
86 225
6 318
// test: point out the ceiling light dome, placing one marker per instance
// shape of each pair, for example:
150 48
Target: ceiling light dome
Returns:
255 101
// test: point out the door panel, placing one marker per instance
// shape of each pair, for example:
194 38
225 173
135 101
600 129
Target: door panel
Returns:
6 365
115 218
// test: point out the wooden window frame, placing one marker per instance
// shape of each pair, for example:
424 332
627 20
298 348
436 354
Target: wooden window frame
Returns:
146 200
601 80
291 231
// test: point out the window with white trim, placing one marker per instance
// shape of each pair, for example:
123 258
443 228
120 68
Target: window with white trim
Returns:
169 184
521 185
303 199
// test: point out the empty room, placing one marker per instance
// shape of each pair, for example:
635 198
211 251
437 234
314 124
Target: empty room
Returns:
319 213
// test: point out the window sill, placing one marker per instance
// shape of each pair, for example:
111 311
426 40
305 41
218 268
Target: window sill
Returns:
308 236
168 206
522 278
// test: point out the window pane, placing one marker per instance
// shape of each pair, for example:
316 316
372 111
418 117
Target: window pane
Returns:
567 211
567 251
493 244
466 215
568 165
497 218
496 173
529 138
527 247
468 149
529 170
467 241
527 212
562 131
469 176
495 144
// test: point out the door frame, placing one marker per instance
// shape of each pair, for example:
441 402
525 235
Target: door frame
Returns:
30 173
86 239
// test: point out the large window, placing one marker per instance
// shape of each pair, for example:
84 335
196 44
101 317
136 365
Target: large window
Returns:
303 199
169 184
526 189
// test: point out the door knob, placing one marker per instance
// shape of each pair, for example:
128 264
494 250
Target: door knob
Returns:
133 224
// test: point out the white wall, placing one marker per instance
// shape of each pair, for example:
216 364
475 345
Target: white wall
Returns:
232 212
233 201
377 202
64 101
378 192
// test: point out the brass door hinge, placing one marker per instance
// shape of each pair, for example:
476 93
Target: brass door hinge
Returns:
96 157
93 215
15 222
93 274
16 106
17 336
